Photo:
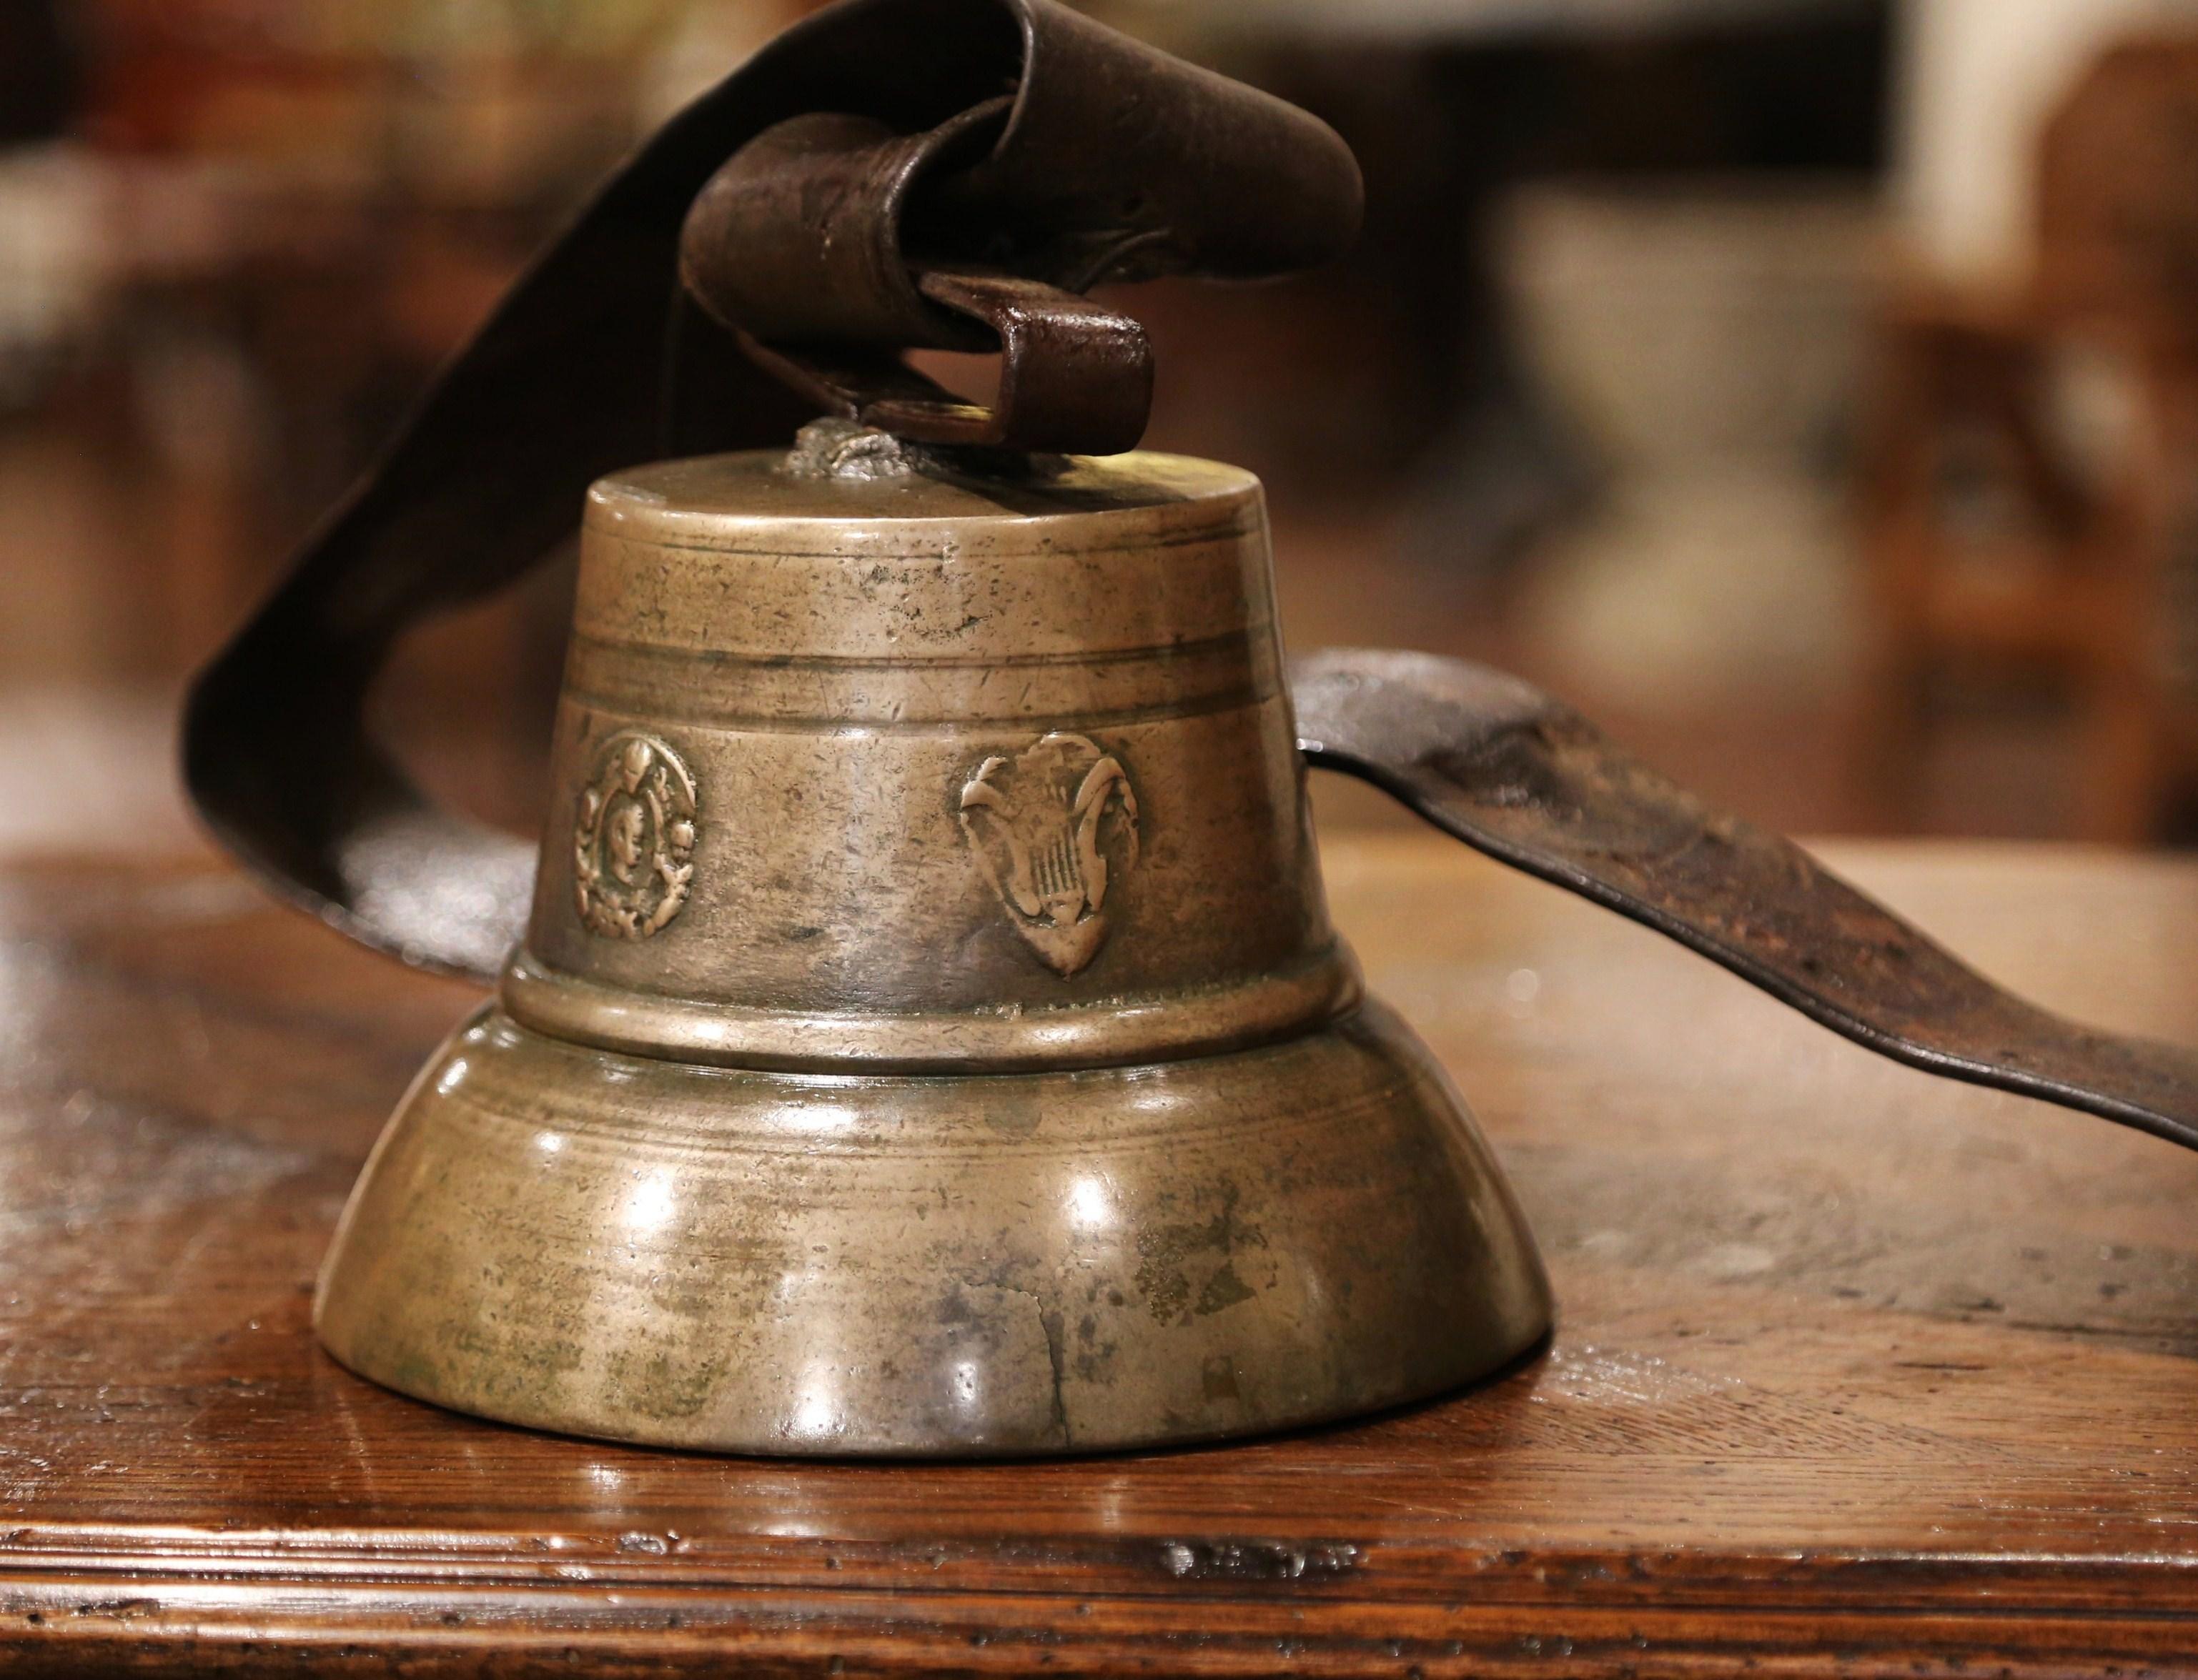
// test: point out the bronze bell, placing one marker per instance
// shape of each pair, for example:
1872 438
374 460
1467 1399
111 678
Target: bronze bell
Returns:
927 1035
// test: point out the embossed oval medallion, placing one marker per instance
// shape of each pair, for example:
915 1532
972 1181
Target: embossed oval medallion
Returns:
633 838
1053 827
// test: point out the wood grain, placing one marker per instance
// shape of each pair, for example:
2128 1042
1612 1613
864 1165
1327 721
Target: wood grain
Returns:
1856 1371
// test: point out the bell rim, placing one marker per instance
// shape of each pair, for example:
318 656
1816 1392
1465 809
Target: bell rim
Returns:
1280 1002
1280 1180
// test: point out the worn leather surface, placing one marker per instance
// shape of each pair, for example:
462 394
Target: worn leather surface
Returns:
1513 773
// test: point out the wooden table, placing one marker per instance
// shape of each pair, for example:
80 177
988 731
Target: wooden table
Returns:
1856 1371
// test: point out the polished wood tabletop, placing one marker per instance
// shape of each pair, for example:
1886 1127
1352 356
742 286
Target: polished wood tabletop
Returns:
1856 1371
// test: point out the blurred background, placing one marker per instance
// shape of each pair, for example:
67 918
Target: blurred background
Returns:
1808 389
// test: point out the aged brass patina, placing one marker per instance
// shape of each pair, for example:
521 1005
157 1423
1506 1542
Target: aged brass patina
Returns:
927 1035
888 1068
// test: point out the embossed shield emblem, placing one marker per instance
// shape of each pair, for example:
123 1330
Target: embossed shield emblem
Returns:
633 838
1053 827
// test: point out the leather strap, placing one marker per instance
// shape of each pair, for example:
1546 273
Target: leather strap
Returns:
1511 772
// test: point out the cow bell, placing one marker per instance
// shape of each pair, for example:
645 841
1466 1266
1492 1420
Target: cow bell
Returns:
929 1036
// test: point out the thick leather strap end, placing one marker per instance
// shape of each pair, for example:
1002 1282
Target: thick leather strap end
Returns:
1512 772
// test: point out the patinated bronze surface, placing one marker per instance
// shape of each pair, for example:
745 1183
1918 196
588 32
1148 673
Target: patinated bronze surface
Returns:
929 1036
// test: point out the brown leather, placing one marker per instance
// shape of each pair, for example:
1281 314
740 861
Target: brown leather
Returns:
1075 377
1502 766
798 238
800 244
833 241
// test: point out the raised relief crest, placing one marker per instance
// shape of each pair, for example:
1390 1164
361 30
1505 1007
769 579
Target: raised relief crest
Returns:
633 838
1053 826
